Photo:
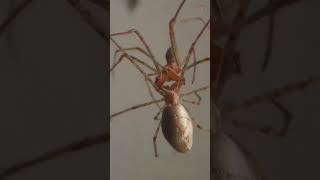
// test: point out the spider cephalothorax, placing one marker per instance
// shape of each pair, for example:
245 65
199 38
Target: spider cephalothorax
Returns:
170 56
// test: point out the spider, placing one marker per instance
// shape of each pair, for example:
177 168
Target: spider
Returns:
176 121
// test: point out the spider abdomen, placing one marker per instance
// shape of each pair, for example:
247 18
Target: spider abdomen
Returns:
177 127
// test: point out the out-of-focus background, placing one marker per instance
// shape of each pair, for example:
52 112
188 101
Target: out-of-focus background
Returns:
132 153
294 58
52 92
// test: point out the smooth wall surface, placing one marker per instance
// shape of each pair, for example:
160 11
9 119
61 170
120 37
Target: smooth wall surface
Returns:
132 153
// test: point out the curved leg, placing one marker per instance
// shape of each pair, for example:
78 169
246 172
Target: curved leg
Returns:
153 102
191 49
271 97
136 32
194 102
269 130
160 91
173 36
195 121
146 80
131 49
155 139
268 51
133 58
207 59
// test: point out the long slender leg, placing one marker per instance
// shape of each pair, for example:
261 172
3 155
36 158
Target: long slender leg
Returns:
146 81
157 116
217 10
287 117
194 102
269 130
55 153
156 101
130 49
133 58
207 59
155 139
156 64
215 72
195 67
271 97
269 42
261 13
193 50
195 121
274 94
147 84
22 6
151 93
228 52
184 20
160 91
190 19
265 11
146 76
173 36
186 61
135 49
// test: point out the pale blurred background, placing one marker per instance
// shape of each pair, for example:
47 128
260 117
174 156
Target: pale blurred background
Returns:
132 153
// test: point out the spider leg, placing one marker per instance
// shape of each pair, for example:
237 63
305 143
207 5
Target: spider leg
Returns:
269 130
150 54
200 127
220 29
133 58
228 56
191 49
274 94
156 117
195 67
131 49
13 14
147 78
271 97
150 92
215 72
194 102
207 59
137 66
173 36
155 138
184 20
217 10
156 101
140 69
268 51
